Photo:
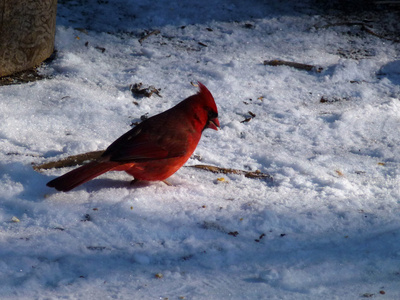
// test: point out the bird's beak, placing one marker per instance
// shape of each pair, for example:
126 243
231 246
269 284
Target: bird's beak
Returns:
213 124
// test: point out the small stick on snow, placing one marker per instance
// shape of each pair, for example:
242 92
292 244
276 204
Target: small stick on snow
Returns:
300 66
79 159
148 35
364 27
70 161
248 174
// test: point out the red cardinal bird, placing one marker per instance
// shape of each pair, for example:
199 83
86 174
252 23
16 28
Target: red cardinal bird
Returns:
156 148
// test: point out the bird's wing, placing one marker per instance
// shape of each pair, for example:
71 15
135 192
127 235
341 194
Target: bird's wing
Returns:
138 145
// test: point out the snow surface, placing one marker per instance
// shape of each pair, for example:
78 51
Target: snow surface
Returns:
326 228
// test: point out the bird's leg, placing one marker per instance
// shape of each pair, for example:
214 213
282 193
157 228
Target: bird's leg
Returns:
134 181
167 183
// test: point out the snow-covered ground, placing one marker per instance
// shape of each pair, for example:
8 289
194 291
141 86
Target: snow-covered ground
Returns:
328 227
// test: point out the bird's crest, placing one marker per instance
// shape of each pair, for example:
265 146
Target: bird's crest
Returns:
203 91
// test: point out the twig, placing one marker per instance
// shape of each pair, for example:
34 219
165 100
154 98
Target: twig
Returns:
79 159
341 24
248 174
148 35
370 31
363 27
70 161
101 49
393 2
300 66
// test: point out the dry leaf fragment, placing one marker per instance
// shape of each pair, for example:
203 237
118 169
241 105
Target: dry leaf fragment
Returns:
87 218
101 49
248 26
246 120
260 238
138 90
339 173
367 295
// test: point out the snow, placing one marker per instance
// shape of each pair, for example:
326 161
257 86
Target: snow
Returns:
326 228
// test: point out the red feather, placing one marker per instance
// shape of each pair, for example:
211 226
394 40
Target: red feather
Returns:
156 148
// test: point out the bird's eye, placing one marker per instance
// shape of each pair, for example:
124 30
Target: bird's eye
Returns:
212 114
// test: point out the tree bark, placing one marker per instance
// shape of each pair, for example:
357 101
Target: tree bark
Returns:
27 30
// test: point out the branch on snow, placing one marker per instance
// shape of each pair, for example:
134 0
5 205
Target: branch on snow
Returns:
300 66
248 174
79 159
70 161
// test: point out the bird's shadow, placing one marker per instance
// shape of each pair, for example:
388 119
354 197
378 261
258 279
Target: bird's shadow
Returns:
108 183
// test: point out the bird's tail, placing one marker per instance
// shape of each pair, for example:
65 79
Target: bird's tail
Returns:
81 175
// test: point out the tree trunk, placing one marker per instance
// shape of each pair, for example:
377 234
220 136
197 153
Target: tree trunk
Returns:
27 29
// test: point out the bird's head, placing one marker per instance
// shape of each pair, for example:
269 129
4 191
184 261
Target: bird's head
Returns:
207 103
200 110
